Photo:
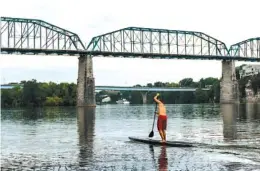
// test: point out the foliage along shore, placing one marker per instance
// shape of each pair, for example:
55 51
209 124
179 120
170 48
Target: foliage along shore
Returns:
37 94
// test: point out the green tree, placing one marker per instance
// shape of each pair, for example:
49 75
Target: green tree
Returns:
138 85
6 98
32 95
172 84
186 82
210 81
159 84
202 83
256 83
216 90
136 97
53 101
237 73
186 97
149 85
201 96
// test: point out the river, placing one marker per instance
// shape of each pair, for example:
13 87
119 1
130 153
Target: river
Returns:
70 138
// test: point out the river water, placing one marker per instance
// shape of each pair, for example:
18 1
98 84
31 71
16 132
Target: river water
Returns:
70 138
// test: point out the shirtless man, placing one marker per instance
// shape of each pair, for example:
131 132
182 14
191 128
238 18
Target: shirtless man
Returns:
162 118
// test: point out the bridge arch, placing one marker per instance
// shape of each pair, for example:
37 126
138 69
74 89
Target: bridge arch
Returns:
33 36
248 48
162 43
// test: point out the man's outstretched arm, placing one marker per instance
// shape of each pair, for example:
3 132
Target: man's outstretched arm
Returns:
155 98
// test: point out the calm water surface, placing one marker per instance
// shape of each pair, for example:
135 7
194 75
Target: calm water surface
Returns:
69 138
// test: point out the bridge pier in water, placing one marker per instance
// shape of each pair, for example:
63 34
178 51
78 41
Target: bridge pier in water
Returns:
229 92
85 82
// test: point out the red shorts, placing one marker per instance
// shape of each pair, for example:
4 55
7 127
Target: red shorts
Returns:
162 122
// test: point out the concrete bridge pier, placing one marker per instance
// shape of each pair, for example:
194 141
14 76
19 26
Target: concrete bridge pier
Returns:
85 82
144 96
229 92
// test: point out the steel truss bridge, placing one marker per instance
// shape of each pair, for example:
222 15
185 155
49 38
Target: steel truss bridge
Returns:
33 36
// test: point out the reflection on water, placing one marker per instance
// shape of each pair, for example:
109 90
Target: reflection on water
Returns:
162 164
86 124
241 122
252 111
69 138
163 161
230 113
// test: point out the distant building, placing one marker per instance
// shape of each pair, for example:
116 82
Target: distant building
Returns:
249 70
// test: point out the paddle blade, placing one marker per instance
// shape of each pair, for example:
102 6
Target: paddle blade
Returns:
151 134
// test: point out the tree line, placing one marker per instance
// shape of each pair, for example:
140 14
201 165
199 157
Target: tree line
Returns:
35 93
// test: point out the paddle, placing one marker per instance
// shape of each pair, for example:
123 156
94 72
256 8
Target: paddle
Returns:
152 133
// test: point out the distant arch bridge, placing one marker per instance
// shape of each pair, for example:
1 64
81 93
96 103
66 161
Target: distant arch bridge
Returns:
147 89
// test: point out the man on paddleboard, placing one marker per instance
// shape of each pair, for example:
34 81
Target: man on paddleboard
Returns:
162 117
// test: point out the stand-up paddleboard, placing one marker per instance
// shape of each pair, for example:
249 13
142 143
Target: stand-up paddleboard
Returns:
158 142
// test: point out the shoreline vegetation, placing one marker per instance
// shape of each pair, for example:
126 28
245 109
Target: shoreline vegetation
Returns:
39 94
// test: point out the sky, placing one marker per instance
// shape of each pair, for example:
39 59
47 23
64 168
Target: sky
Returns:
229 21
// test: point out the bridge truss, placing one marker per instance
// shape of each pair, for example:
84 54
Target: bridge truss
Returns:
31 36
161 43
249 48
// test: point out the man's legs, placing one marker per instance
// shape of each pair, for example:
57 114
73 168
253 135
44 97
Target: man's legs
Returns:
161 134
160 127
164 135
164 122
